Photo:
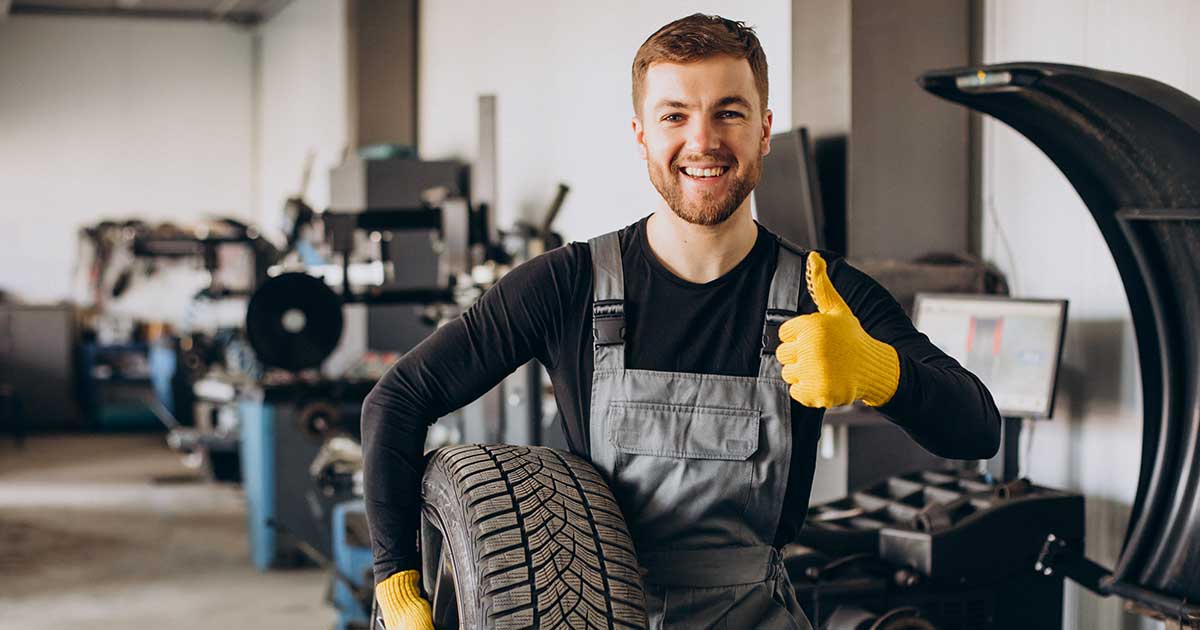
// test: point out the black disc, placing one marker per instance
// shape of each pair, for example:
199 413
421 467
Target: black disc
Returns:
294 321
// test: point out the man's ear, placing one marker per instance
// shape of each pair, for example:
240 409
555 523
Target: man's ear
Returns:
766 133
639 135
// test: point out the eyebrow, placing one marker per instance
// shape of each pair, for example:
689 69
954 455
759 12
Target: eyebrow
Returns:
724 102
733 100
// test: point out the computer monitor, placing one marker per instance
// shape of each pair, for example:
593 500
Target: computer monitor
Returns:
787 199
1013 346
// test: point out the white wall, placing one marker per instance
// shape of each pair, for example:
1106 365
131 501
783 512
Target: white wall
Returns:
301 103
561 73
114 118
161 119
1039 232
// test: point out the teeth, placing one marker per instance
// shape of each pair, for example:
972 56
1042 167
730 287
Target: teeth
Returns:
704 172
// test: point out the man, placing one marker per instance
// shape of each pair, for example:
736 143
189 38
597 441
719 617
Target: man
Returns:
700 291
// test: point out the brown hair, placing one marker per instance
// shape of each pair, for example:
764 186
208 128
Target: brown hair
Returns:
696 37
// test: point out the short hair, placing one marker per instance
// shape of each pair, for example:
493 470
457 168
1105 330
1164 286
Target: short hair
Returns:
697 37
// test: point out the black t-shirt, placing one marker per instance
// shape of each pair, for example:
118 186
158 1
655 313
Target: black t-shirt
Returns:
542 310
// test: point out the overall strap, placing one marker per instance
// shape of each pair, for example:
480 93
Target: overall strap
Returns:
608 302
782 303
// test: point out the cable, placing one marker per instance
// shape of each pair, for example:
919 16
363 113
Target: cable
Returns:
989 209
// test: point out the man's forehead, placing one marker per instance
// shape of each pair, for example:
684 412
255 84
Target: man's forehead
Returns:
705 80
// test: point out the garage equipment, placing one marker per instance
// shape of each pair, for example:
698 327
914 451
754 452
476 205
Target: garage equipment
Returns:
790 202
955 547
38 371
289 516
213 443
207 243
788 197
948 548
1013 346
438 252
1128 146
387 211
112 254
354 581
296 321
131 386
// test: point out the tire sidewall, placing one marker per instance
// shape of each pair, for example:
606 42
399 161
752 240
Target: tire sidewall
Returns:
448 514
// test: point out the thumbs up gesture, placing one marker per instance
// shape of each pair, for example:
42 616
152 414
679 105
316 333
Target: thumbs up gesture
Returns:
828 359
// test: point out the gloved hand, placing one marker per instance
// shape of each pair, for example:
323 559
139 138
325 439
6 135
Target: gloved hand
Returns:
828 359
401 603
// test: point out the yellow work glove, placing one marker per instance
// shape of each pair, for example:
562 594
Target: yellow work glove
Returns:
828 359
400 602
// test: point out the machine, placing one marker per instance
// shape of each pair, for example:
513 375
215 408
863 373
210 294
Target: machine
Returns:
949 547
405 246
1128 146
1013 346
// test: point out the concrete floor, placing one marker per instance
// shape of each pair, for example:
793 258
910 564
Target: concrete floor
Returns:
113 532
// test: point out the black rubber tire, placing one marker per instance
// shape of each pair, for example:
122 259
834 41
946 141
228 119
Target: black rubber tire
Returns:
526 537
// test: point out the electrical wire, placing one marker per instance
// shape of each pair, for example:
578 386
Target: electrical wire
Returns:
989 209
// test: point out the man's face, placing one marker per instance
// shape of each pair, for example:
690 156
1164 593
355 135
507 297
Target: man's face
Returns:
703 134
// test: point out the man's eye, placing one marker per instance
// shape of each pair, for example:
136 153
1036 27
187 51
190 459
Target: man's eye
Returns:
729 114
672 118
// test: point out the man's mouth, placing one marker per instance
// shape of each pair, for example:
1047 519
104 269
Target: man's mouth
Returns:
703 173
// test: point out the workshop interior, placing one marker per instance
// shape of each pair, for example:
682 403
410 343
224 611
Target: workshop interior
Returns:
225 220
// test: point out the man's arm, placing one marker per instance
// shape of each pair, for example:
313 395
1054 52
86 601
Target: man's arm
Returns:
941 404
518 319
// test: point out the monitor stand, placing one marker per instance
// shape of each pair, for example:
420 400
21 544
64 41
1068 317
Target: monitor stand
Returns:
1006 465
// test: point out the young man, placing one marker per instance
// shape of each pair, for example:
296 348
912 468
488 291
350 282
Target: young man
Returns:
702 290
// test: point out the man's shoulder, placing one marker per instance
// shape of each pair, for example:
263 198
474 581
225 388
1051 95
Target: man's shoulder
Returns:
796 248
575 258
567 257
625 234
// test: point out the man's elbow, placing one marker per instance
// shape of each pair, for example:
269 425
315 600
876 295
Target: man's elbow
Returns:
982 442
991 445
986 442
371 413
395 412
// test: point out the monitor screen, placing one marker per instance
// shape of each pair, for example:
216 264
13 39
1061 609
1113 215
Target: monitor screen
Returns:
787 199
1012 345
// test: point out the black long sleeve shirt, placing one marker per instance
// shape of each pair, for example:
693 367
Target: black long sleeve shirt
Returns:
542 310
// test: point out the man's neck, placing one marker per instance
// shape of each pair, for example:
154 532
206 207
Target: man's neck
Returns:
699 253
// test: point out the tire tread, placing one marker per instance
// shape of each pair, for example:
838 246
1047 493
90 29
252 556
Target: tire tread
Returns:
547 537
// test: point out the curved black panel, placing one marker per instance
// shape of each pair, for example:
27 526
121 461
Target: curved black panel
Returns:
1131 147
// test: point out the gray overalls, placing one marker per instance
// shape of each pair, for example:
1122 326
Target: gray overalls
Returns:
699 465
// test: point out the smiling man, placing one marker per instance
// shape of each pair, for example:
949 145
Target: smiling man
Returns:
692 354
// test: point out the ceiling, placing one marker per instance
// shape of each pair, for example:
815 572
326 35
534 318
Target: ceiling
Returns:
235 11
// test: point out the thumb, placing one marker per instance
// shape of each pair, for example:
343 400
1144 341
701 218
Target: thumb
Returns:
821 289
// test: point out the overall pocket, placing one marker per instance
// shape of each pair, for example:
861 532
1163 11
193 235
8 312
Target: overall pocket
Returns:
683 474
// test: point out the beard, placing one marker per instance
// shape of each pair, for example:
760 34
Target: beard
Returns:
710 208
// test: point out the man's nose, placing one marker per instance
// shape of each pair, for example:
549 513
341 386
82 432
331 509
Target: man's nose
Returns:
702 135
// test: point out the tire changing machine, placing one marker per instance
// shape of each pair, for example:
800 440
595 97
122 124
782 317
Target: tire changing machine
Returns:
1128 146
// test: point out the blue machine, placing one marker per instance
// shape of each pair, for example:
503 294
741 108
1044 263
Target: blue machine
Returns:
352 560
136 386
257 427
289 518
289 515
